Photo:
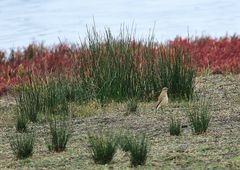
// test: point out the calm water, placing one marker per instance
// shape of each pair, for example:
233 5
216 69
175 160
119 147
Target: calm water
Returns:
24 21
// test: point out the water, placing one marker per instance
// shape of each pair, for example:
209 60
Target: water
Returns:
24 21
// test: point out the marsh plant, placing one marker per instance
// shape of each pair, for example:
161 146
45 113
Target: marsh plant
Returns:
199 116
39 96
139 148
22 121
132 105
123 67
29 100
175 127
22 145
124 140
60 134
107 67
55 97
102 147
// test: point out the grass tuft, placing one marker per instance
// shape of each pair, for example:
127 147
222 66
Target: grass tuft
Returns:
102 148
29 100
60 135
139 147
124 141
132 106
175 127
199 116
22 121
22 145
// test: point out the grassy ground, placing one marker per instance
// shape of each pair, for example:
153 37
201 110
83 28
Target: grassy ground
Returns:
219 148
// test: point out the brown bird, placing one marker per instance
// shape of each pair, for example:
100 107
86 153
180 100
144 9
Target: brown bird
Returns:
162 98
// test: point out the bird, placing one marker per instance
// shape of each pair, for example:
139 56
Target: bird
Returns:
162 98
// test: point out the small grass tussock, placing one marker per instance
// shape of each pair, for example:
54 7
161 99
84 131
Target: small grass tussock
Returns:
21 122
124 141
60 135
22 145
102 147
175 127
132 105
199 116
139 148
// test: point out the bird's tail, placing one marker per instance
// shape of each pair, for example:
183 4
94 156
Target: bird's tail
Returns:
157 106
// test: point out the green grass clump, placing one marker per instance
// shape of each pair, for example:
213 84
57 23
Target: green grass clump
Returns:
29 100
22 121
102 148
199 116
22 145
124 141
60 135
139 148
131 105
175 127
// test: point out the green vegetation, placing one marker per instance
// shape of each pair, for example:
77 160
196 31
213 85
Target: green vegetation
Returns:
110 69
139 148
120 69
199 116
22 145
175 127
102 147
124 141
29 100
60 135
54 95
22 121
132 105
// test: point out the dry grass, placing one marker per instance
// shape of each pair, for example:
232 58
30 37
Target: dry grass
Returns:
218 148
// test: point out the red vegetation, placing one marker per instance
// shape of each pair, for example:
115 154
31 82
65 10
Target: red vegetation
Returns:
218 55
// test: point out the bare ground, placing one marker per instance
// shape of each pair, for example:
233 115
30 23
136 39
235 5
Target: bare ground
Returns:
219 148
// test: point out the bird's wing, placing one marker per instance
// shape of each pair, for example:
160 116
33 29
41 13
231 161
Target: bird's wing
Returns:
160 99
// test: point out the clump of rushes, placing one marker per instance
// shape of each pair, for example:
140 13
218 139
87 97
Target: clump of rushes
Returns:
60 135
22 121
55 100
22 145
29 100
121 67
131 106
139 148
107 67
199 116
102 147
175 127
176 73
124 141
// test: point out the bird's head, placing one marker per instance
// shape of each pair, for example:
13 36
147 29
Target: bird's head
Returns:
165 89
